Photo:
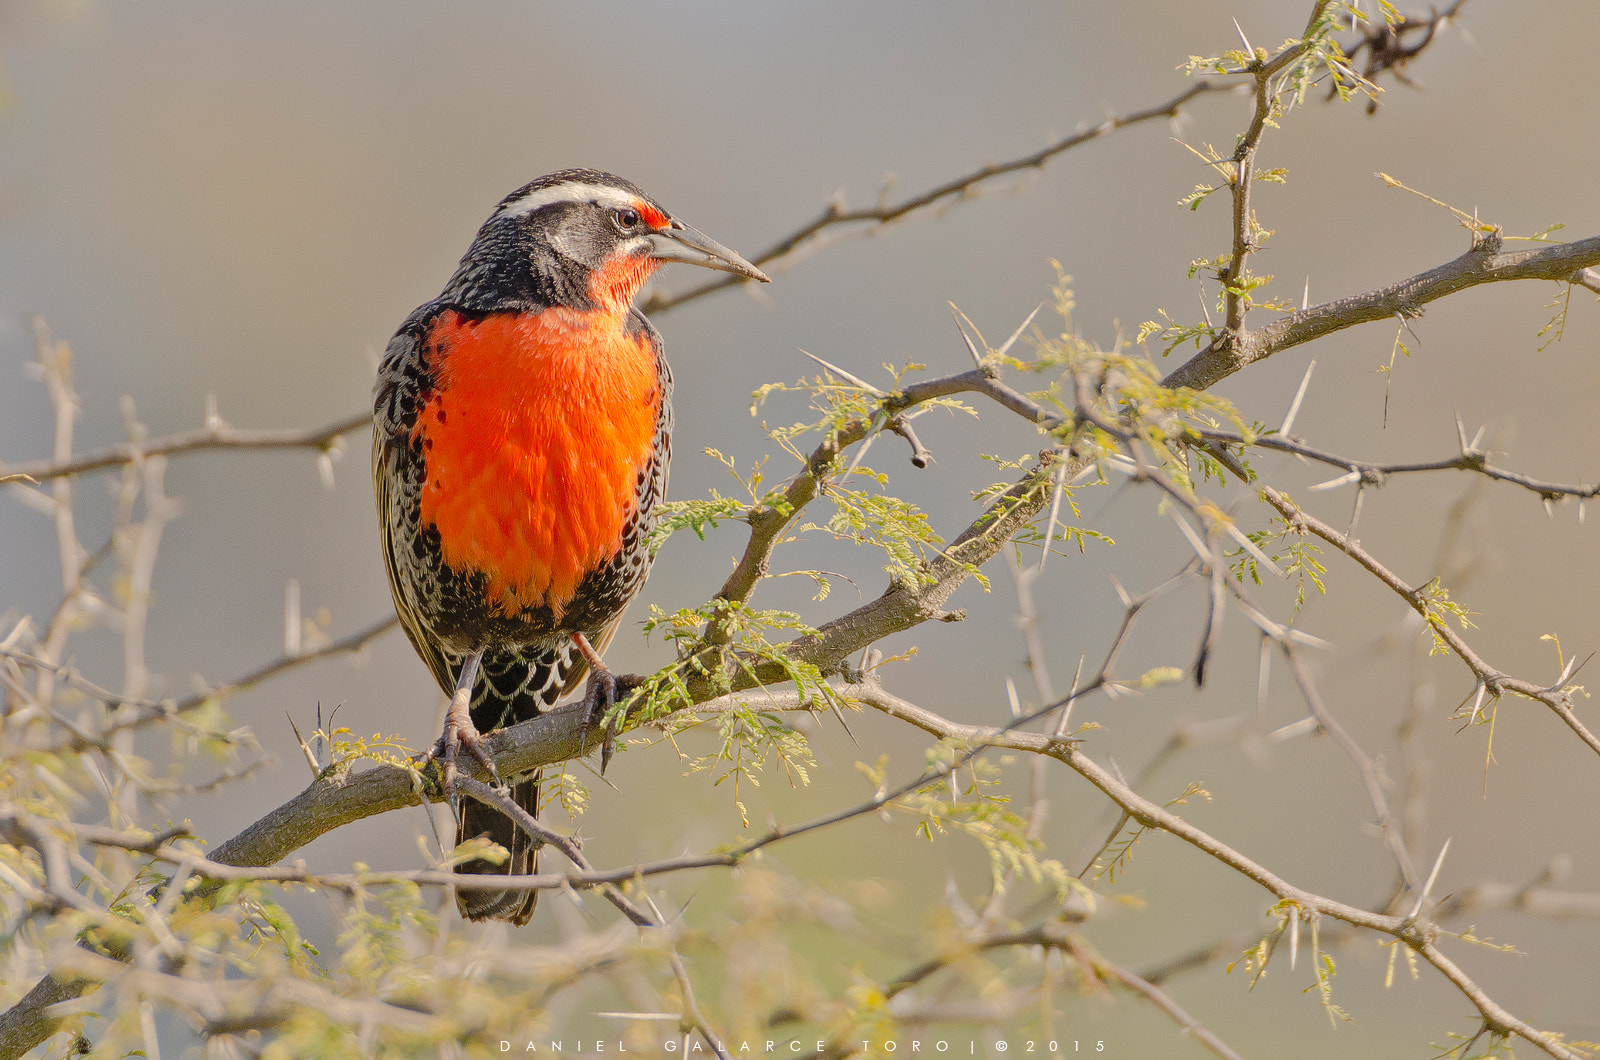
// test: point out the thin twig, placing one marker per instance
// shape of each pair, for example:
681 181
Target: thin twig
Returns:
877 217
1555 697
219 436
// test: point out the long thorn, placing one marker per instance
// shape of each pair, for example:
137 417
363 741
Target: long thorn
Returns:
1299 395
842 374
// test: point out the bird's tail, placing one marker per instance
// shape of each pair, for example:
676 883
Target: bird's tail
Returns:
479 820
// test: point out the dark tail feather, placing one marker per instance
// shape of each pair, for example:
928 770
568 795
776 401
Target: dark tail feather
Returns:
478 819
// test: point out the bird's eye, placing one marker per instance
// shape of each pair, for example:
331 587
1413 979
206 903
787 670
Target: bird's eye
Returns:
625 220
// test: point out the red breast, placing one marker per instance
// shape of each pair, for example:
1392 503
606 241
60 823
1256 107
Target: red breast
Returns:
533 439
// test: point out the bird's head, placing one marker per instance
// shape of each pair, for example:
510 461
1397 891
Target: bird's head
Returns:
584 239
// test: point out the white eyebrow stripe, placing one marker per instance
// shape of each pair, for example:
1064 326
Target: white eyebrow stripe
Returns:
570 191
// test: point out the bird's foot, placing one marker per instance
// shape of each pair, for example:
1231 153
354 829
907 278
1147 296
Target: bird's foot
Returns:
460 735
599 702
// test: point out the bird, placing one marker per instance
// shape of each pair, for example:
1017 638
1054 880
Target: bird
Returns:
522 432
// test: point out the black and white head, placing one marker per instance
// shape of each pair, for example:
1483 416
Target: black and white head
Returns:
580 238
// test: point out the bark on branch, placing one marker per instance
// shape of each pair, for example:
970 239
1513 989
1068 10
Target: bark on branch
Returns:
1484 263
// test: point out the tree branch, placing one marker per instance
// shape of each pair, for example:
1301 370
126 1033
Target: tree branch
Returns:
1490 680
217 436
1415 932
877 217
1373 473
1484 263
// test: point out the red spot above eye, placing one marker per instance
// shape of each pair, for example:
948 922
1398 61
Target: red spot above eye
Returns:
652 216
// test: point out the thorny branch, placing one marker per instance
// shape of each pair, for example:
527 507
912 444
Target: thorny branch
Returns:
1416 932
1486 262
1491 682
337 798
1374 473
326 439
874 218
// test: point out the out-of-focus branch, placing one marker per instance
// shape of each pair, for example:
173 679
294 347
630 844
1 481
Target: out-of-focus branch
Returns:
1491 681
1373 473
874 218
1158 997
146 712
1387 49
217 436
1415 932
1053 935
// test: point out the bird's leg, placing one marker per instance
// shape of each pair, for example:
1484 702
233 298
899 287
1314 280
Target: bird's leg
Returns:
601 696
459 731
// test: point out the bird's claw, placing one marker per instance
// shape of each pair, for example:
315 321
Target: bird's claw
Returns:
600 700
455 738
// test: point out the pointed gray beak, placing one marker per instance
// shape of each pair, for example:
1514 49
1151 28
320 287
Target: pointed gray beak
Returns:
679 242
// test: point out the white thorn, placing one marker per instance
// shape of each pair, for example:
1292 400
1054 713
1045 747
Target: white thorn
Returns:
1195 540
1334 483
1122 463
1266 625
1299 396
1305 295
1263 672
1018 333
1248 49
977 358
291 618
1011 694
1355 512
872 434
1294 935
1055 511
1300 636
1122 594
1427 888
1072 693
1304 727
842 374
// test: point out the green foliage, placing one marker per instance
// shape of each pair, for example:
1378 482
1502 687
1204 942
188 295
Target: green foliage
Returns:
1433 601
971 801
748 739
746 644
896 527
1118 852
699 514
696 515
1556 327
1292 549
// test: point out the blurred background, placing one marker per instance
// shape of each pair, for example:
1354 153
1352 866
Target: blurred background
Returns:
243 202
